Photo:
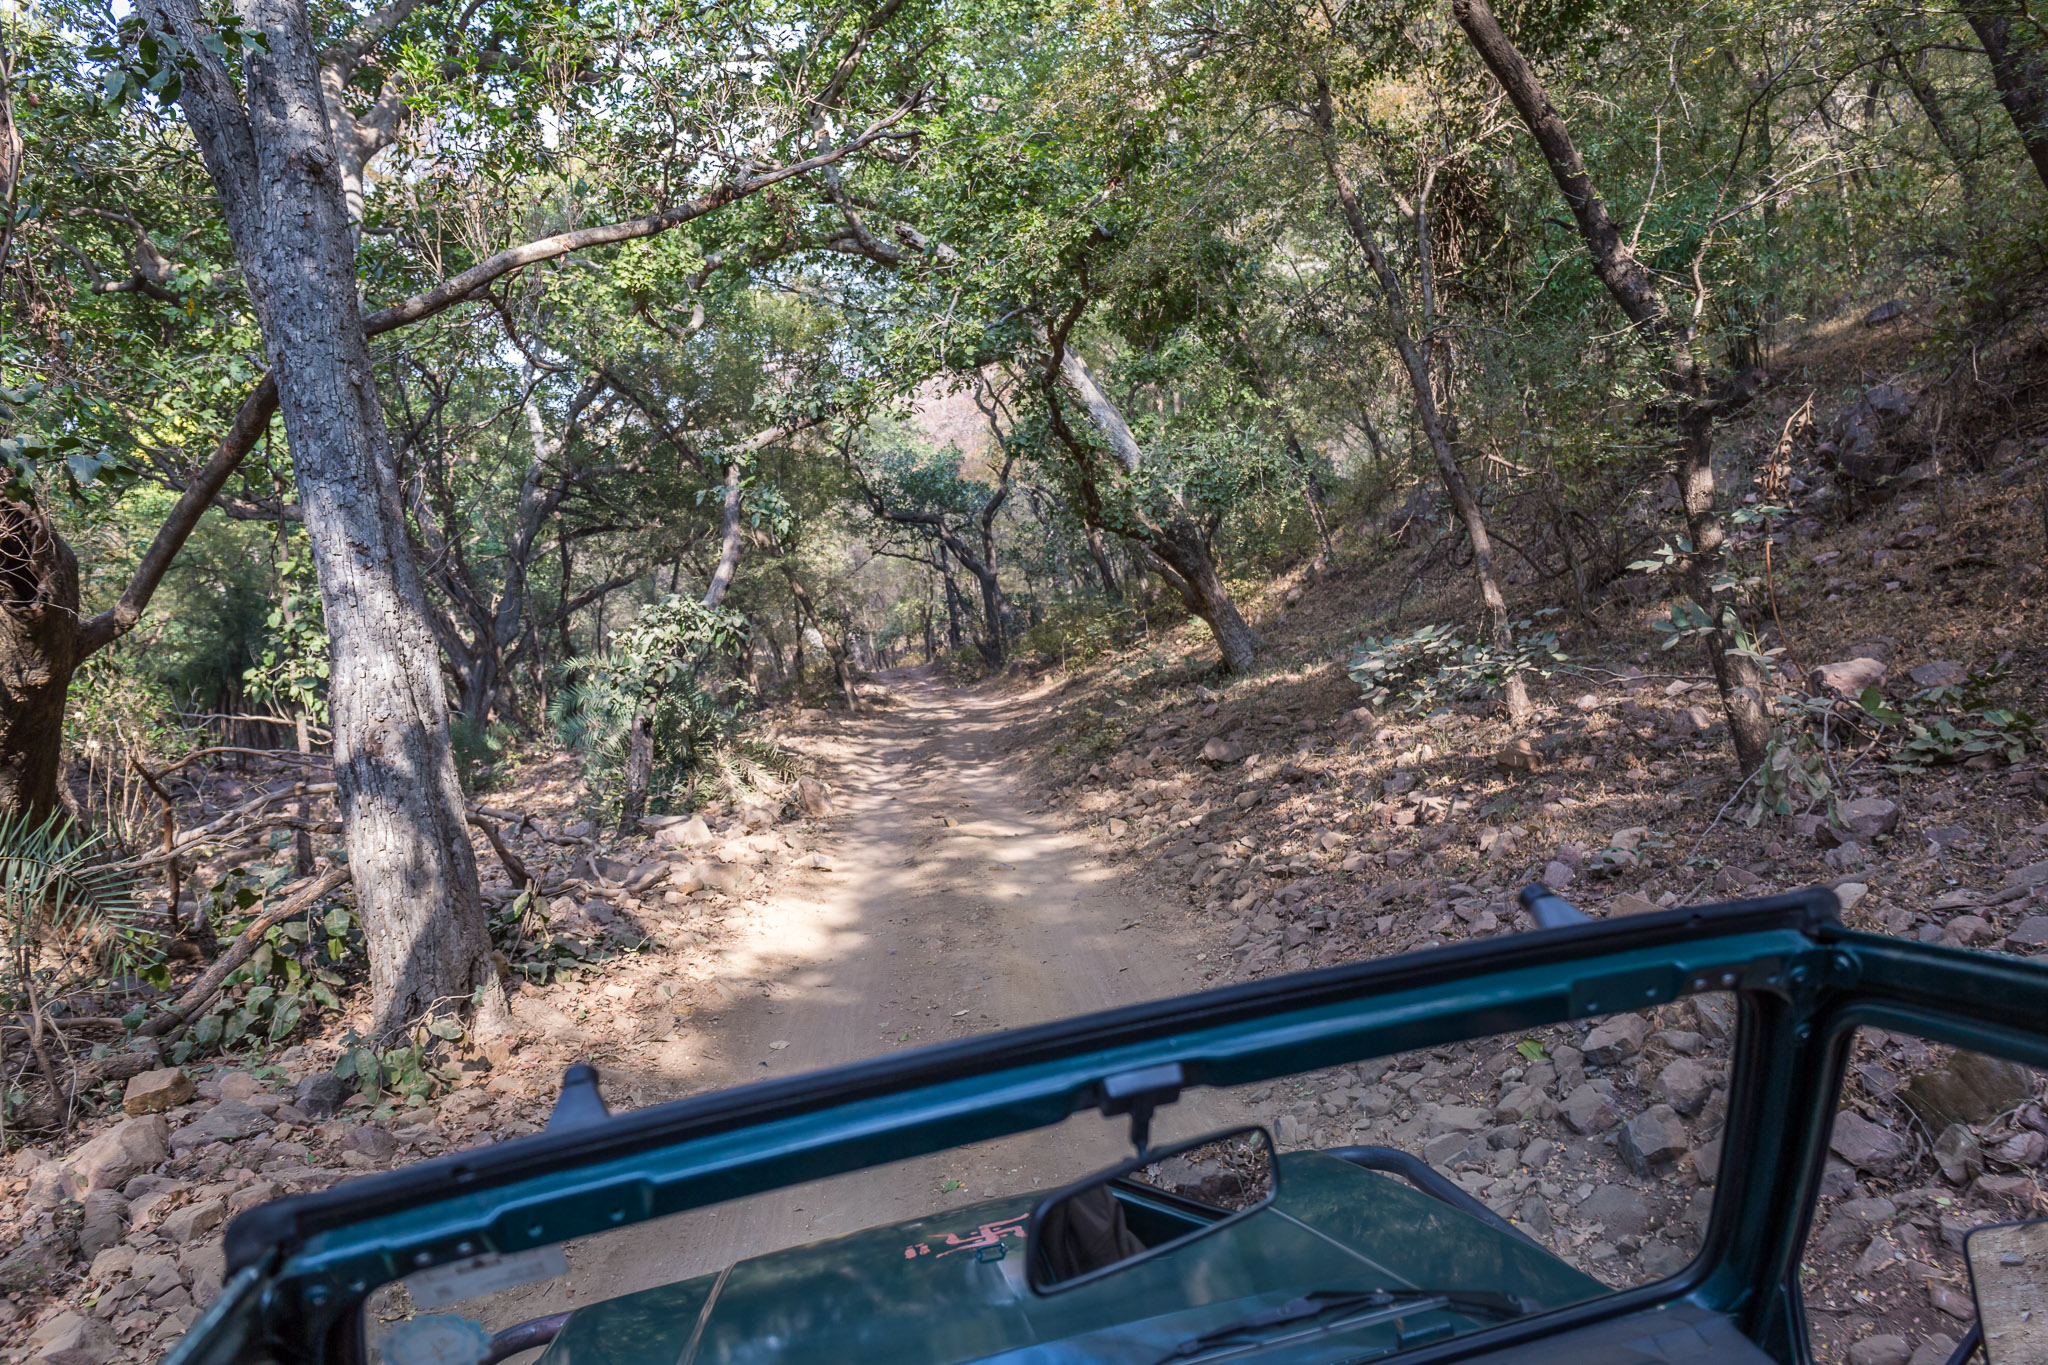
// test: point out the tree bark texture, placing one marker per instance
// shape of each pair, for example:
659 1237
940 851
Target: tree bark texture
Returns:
38 653
1098 553
2014 50
730 540
1636 292
277 172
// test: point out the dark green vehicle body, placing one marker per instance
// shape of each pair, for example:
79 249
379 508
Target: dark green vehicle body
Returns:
861 1298
301 1269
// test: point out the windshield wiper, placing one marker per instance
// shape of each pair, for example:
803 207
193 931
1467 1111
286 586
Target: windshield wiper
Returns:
1323 1304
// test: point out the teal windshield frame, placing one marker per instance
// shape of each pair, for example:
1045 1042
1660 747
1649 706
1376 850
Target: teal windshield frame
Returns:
300 1268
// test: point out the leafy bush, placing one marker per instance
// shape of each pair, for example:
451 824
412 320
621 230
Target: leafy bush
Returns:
1434 665
1939 725
295 969
1954 724
71 925
675 666
478 749
405 1072
119 715
1080 630
291 668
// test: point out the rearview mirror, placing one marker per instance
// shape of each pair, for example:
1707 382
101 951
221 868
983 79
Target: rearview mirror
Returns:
2009 1279
1149 1205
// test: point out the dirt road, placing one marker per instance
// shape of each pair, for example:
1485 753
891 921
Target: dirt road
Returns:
953 906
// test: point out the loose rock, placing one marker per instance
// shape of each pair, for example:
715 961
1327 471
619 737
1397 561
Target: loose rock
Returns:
1847 678
1941 673
128 1148
1957 1154
320 1095
1969 1088
1686 1085
1884 1350
228 1121
1615 1039
1653 1138
1865 1145
152 1092
194 1220
1588 1111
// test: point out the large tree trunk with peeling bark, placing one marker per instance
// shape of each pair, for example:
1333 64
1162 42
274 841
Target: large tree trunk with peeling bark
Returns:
275 166
1635 290
1169 532
1181 548
38 652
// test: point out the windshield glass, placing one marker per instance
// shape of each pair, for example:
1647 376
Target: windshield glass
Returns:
1929 1142
1420 1195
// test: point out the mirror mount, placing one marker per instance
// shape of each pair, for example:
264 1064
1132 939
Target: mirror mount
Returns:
1141 1094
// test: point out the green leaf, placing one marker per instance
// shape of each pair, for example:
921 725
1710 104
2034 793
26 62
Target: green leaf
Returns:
1531 1050
1873 703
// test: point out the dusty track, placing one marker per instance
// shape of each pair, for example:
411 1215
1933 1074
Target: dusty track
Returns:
922 931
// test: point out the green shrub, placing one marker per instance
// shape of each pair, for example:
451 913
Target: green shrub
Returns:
1079 630
676 665
479 748
1434 665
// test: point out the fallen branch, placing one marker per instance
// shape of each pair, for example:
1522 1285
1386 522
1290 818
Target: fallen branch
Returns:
318 732
202 991
229 823
526 823
279 754
513 866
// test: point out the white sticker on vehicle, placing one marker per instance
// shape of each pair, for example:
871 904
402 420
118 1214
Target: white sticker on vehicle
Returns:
440 1339
485 1274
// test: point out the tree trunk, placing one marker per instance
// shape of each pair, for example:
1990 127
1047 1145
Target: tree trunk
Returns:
1739 679
1100 555
38 652
994 649
952 600
639 767
1184 552
1169 532
729 546
1633 288
275 167
1415 360
1945 132
2005 30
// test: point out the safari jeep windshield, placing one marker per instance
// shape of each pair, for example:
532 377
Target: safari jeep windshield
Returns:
1475 1149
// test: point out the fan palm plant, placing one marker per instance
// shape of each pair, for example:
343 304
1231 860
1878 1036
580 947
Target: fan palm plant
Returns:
70 923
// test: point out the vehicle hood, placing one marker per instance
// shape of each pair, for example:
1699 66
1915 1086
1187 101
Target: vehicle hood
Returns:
950 1288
